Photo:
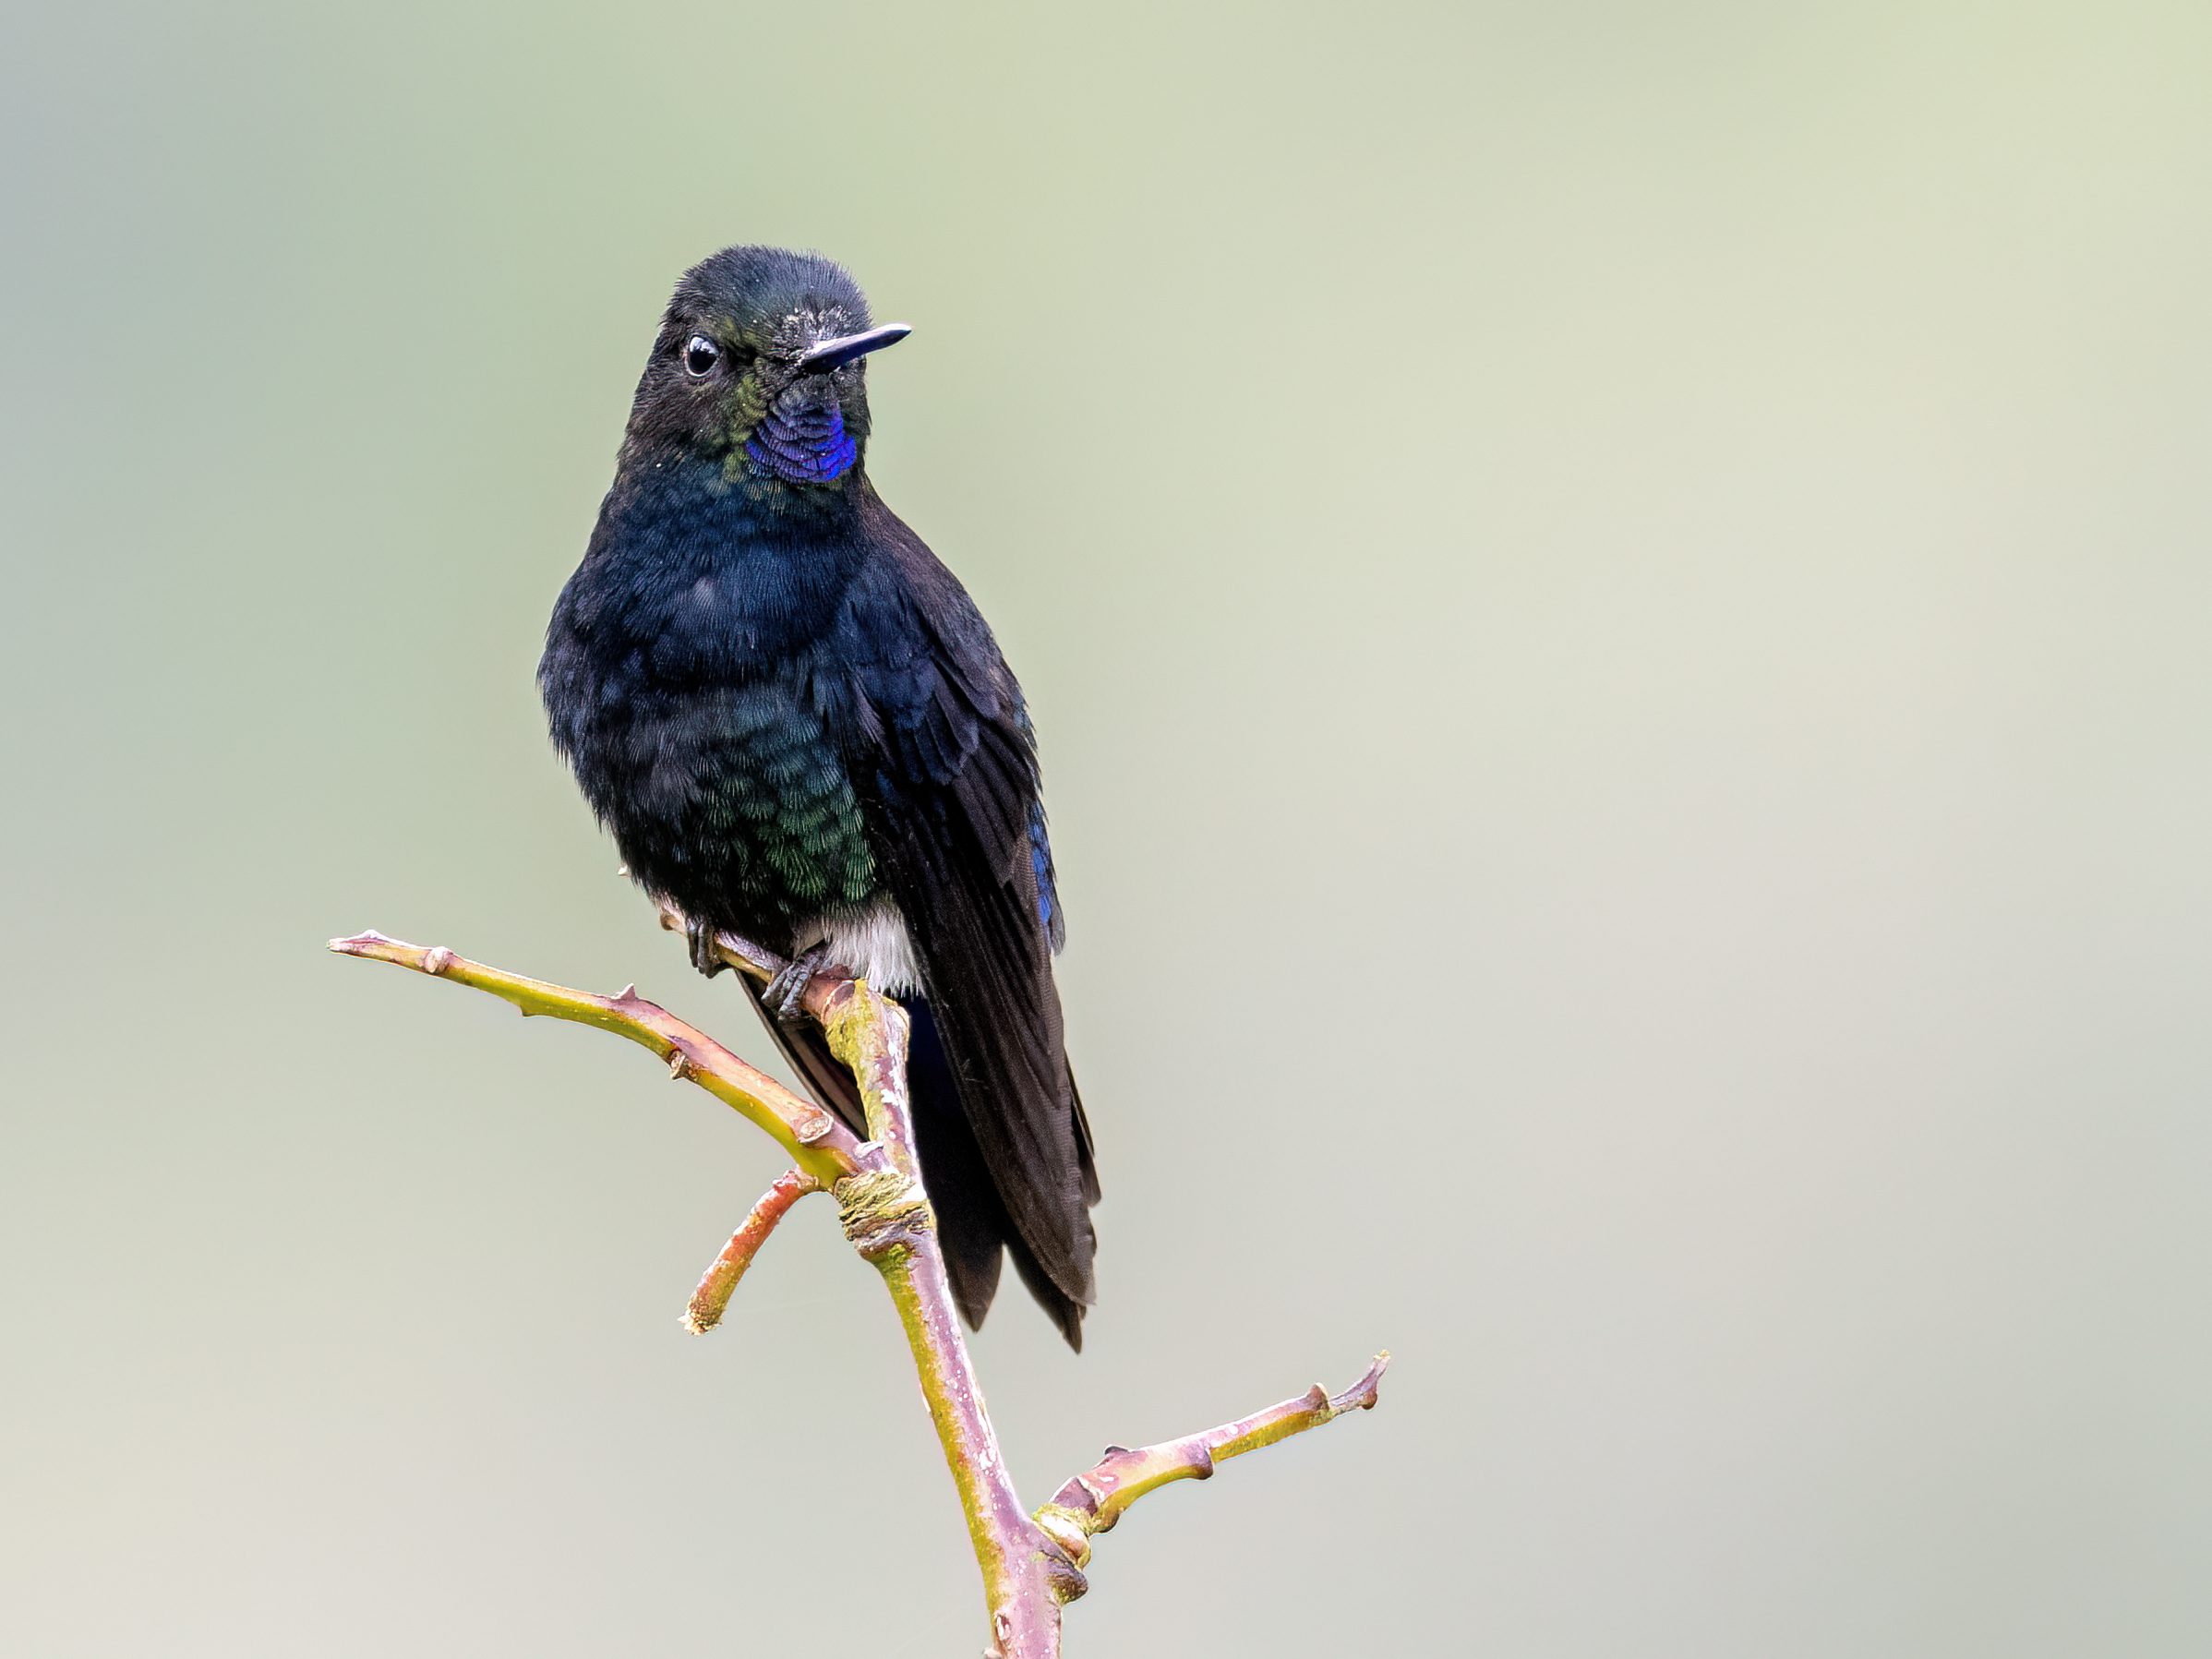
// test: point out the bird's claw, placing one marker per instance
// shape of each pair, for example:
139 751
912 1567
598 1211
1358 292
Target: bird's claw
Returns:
786 995
705 956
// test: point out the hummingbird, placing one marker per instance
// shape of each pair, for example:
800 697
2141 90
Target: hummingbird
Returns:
797 728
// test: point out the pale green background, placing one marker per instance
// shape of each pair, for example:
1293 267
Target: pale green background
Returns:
1618 597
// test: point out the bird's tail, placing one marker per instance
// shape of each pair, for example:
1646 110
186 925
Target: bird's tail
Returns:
972 1222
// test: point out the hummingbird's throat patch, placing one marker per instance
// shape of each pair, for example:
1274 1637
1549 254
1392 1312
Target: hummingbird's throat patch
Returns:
803 440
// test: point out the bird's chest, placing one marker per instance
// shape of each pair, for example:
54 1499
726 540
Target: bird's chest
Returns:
734 800
709 730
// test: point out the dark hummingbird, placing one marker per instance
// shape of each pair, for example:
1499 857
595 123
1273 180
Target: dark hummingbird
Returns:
799 728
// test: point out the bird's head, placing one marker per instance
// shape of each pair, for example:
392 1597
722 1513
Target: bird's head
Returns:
759 363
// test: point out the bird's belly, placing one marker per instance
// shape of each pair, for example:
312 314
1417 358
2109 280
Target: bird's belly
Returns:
872 943
733 802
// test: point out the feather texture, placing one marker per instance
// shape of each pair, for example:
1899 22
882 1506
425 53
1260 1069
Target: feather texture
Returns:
798 727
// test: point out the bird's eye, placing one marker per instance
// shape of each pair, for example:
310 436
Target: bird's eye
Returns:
700 355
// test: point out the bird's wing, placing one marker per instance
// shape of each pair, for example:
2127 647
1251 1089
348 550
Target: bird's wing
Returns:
947 771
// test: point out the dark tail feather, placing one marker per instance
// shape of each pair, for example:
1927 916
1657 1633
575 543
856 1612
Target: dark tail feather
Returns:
972 1223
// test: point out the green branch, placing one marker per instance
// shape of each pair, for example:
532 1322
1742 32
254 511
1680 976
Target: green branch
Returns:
1031 1565
1098 1497
818 1143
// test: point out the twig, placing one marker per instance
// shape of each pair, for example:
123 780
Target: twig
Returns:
821 1146
1030 1564
720 1281
1025 1576
1094 1501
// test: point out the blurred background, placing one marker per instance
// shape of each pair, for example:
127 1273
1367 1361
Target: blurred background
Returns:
1617 598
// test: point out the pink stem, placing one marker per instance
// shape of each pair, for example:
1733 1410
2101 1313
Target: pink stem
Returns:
720 1281
1026 1575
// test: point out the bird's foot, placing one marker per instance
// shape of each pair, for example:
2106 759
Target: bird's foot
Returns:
786 995
701 938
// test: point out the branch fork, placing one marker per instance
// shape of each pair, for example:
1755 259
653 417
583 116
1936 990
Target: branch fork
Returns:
1031 1564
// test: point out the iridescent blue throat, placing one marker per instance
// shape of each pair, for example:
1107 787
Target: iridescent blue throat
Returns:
802 440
